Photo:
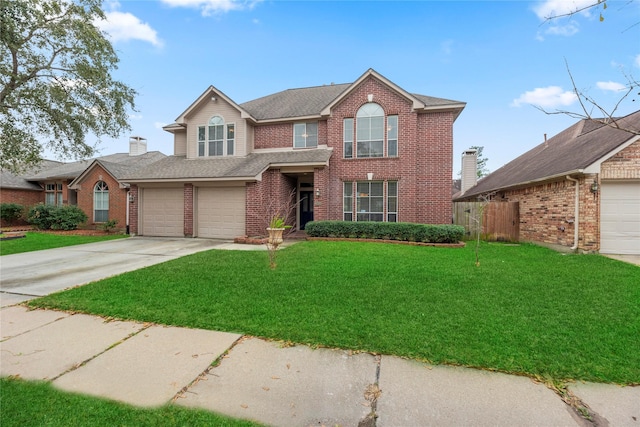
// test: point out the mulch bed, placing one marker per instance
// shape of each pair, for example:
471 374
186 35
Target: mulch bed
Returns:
58 232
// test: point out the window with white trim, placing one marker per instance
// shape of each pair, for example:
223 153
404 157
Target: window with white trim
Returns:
216 139
101 202
347 197
370 131
347 136
371 201
53 194
392 136
305 135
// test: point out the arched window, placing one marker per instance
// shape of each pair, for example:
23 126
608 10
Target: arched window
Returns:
101 202
370 131
211 138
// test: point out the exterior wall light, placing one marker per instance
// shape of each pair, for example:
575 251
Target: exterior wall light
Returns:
131 198
317 192
594 187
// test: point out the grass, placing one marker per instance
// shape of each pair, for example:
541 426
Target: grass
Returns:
526 310
39 404
38 241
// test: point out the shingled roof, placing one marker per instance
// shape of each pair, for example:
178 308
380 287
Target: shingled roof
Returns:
116 164
226 168
571 151
18 182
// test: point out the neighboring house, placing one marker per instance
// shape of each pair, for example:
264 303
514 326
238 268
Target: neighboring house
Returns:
17 189
93 185
363 151
579 189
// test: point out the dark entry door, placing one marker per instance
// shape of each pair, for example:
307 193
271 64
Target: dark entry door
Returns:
306 208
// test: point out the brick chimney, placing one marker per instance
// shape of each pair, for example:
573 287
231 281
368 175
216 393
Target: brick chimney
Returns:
469 169
137 145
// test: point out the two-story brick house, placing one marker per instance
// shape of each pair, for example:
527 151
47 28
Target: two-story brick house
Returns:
363 151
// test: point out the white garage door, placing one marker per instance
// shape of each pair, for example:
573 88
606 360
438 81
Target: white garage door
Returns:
620 218
163 212
221 212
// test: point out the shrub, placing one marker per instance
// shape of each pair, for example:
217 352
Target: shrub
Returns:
404 231
40 216
108 226
68 218
47 217
11 212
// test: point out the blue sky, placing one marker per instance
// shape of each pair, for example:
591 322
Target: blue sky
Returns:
500 57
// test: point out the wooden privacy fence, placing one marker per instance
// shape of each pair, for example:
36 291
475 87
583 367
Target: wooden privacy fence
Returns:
495 221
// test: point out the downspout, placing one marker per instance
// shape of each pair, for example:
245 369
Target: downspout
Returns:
576 214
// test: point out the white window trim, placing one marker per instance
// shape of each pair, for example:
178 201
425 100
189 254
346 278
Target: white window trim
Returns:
305 135
225 140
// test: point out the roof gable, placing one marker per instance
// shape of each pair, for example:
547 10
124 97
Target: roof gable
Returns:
211 94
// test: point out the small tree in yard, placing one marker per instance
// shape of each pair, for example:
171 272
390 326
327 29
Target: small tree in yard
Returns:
276 214
476 217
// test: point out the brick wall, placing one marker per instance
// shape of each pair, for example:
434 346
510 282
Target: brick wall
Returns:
547 213
624 165
188 210
22 197
133 210
423 167
117 196
265 198
26 198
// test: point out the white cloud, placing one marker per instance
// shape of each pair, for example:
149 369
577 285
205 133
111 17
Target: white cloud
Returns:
551 8
135 116
637 61
122 26
546 97
210 7
611 86
159 125
567 30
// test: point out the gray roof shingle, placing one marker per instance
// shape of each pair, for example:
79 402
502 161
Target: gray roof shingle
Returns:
571 150
179 167
18 182
310 101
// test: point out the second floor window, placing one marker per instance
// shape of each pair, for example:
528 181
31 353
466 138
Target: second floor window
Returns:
216 139
370 131
305 135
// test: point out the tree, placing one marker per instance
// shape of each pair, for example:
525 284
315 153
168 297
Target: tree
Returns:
56 87
590 109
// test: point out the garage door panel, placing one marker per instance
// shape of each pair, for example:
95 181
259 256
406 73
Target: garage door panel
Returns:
163 212
620 218
221 212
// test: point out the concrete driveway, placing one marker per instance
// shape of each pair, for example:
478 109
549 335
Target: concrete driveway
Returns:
32 274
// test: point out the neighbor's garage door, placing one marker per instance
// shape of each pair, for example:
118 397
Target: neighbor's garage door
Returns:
163 212
620 218
221 212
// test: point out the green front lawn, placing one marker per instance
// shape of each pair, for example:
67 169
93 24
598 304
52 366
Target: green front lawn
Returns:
525 309
35 241
40 404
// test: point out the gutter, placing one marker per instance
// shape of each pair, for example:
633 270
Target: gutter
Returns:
576 214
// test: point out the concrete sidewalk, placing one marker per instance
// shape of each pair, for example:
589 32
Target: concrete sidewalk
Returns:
150 365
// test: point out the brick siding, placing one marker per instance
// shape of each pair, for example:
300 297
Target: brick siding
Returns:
547 213
117 196
624 165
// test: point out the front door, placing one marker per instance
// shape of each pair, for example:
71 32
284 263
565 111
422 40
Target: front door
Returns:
306 208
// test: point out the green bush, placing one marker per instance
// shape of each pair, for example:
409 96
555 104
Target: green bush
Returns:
68 218
11 212
403 231
47 217
40 216
108 226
